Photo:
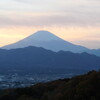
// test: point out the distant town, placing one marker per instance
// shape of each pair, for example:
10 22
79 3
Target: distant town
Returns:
16 81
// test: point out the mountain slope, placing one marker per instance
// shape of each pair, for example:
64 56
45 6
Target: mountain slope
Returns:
83 87
36 58
94 51
48 41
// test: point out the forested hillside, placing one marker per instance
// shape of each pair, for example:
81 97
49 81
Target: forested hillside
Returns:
83 87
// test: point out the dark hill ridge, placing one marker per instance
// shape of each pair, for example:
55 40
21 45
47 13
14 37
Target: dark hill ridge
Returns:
84 87
37 58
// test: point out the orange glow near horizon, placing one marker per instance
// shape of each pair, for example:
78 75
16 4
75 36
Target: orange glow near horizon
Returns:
72 34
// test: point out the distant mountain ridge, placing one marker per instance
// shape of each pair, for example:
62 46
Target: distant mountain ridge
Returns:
50 41
37 58
94 51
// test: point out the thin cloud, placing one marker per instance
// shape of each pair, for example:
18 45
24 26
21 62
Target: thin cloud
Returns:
73 12
60 13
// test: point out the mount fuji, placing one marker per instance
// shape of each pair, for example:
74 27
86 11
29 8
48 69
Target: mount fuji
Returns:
48 41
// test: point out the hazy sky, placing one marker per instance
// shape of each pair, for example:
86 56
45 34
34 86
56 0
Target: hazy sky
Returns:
77 21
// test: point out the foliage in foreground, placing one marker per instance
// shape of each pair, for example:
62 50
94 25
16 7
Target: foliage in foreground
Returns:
83 87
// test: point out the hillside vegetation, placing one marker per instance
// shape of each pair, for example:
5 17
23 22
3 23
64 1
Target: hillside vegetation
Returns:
83 87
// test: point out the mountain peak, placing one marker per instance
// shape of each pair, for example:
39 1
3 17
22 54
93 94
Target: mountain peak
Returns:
48 41
42 31
43 36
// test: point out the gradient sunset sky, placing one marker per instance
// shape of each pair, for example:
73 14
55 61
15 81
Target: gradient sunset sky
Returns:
77 21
